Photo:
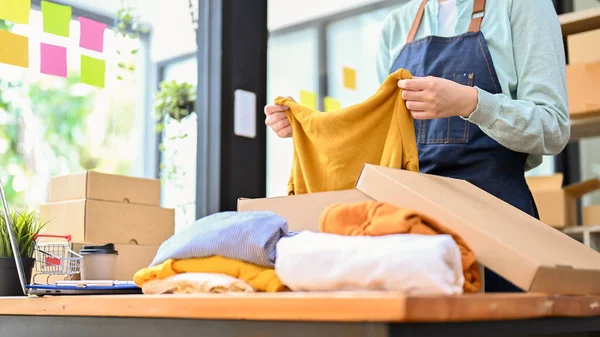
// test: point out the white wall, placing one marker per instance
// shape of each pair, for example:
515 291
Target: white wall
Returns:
284 13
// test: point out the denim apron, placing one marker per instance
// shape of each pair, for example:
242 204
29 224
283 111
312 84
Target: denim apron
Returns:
454 147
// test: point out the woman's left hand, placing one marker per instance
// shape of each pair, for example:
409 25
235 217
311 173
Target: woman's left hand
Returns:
434 97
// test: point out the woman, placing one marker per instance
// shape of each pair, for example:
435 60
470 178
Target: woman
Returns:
489 97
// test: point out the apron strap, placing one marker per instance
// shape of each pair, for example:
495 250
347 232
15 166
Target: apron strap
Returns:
416 23
478 13
476 19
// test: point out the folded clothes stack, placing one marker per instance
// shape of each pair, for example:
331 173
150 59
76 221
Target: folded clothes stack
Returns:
360 246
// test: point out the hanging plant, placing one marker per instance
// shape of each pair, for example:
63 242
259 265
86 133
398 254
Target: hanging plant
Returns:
175 100
128 26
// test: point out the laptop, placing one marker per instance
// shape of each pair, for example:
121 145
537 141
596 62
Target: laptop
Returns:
96 287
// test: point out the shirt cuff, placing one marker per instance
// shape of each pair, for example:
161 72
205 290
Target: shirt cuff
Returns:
487 110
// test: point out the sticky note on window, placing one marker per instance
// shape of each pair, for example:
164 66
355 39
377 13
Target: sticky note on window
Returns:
16 11
331 104
57 18
53 60
14 49
91 34
349 78
308 99
93 71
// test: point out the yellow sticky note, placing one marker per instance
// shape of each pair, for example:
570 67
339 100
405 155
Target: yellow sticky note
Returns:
308 99
93 71
349 78
332 104
16 11
14 49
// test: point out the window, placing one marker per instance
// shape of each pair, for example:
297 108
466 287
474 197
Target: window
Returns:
179 149
51 125
292 66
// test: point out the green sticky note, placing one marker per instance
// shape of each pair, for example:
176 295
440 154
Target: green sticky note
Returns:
16 11
93 71
57 18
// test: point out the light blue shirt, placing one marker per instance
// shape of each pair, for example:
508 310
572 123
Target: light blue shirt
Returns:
525 41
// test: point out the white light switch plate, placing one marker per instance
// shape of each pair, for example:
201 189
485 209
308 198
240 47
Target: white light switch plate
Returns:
244 110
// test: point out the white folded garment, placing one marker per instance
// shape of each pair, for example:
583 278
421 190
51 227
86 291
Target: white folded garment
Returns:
196 283
409 263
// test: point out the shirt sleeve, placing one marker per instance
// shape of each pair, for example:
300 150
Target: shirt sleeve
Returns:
383 57
536 119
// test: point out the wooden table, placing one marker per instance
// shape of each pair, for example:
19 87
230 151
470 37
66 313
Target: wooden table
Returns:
299 314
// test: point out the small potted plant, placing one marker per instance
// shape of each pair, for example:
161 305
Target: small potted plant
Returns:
176 100
26 225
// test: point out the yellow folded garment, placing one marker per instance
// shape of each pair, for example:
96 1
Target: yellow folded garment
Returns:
331 148
260 278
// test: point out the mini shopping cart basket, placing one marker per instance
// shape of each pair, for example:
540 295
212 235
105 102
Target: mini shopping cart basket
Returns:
56 258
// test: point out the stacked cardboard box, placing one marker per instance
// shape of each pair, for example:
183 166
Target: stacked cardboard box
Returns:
557 205
96 208
583 73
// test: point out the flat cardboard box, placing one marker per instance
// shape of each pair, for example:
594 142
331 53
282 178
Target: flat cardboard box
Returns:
590 215
529 253
131 258
584 47
556 204
107 187
583 84
106 221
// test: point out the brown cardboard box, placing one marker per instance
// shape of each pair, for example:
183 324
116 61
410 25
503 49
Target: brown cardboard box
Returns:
557 205
590 215
131 258
583 84
106 221
108 187
529 253
584 47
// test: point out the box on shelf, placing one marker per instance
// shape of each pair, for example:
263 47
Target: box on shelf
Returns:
106 221
107 187
584 47
556 204
583 84
529 253
590 215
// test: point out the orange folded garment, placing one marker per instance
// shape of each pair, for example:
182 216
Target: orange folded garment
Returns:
372 218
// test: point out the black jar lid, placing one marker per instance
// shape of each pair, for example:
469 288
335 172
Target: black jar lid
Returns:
108 248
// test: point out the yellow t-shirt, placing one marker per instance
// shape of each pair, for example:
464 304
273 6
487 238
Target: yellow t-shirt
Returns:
331 148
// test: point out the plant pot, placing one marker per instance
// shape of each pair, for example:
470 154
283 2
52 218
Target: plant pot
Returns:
189 106
9 276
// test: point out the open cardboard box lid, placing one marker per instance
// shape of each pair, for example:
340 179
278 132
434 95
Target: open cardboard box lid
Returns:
529 253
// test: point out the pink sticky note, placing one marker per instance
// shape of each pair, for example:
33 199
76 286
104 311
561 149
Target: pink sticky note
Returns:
53 60
91 34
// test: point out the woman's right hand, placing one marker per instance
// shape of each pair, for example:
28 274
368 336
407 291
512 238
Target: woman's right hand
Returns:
278 121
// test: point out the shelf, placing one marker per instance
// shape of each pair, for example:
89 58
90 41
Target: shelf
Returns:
585 126
580 21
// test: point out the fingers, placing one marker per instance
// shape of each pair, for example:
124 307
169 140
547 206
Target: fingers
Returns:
285 132
411 95
421 115
416 106
274 118
271 109
417 83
